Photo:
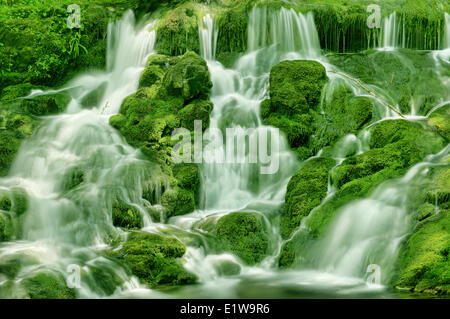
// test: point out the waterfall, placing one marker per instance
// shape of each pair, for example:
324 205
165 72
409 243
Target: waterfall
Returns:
447 31
390 32
237 94
369 231
208 38
286 28
70 224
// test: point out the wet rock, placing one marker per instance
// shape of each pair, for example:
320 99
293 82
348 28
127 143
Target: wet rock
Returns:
154 259
244 234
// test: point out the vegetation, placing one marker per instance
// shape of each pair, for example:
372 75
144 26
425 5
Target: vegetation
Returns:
154 259
244 234
174 92
318 113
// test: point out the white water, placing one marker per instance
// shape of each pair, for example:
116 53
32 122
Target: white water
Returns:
447 32
64 227
390 32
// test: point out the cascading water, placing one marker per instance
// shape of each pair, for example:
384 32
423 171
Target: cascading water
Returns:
390 33
66 226
369 231
447 32
69 225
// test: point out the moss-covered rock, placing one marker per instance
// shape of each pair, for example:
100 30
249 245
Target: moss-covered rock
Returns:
424 264
306 190
232 31
46 104
154 259
295 91
178 201
395 145
155 70
47 285
126 216
6 228
198 110
244 234
189 78
9 145
177 95
342 113
296 86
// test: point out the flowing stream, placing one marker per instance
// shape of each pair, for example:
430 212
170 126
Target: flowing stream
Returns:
70 227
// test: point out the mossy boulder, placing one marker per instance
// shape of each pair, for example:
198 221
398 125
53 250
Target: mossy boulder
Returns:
48 285
189 78
178 201
126 216
306 190
295 92
232 31
6 227
154 259
424 264
244 234
395 145
9 145
198 110
155 70
174 93
342 113
296 86
46 104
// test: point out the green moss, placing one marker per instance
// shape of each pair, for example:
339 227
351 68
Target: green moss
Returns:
396 145
178 201
199 110
48 286
343 113
46 104
154 259
295 91
440 119
178 95
126 216
9 145
188 176
155 70
36 41
296 86
423 262
13 92
306 190
177 33
243 234
232 34
408 78
5 203
6 228
188 78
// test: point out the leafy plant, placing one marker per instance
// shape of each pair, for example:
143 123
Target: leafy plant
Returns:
75 45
